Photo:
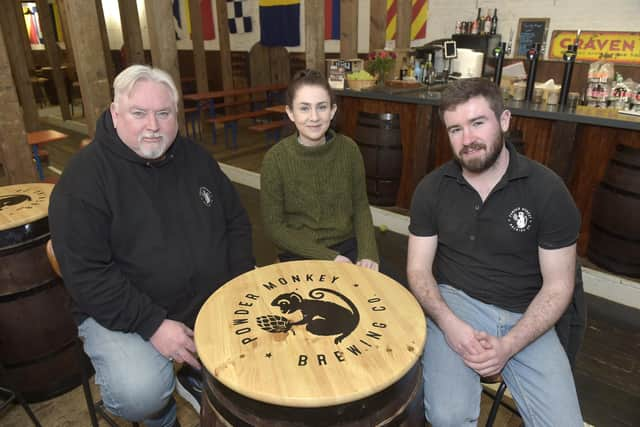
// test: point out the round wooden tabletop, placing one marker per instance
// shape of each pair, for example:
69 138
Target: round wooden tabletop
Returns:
22 204
310 333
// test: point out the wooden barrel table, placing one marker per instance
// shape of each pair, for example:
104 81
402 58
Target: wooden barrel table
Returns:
314 343
37 332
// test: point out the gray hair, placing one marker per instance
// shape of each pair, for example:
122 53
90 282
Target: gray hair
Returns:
124 82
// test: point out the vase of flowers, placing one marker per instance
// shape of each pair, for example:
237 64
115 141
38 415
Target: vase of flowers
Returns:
380 64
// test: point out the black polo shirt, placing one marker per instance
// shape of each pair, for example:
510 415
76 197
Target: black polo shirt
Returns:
490 250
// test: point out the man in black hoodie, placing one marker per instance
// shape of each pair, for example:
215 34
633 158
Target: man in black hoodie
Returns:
145 227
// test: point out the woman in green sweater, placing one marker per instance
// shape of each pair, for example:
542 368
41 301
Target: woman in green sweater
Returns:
313 194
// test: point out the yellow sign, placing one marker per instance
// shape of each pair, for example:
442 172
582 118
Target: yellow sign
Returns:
612 46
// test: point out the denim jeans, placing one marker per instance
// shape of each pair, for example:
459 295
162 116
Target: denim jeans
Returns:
539 376
136 382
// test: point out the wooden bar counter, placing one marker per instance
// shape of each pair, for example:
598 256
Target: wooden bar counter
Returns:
576 145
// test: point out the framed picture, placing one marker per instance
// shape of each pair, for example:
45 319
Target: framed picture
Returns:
530 31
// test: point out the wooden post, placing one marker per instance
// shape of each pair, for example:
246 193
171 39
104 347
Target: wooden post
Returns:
199 58
89 56
349 29
15 155
377 24
104 37
225 49
403 32
68 44
131 33
314 35
53 54
21 81
164 51
16 7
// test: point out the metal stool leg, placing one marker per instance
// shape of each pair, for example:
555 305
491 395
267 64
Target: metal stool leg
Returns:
85 384
496 404
14 394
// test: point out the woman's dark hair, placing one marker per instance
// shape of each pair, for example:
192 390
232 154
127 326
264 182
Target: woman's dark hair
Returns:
308 78
460 91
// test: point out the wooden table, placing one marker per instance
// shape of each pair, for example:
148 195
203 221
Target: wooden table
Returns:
305 335
42 137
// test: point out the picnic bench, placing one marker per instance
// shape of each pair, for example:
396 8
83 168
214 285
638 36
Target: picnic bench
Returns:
228 98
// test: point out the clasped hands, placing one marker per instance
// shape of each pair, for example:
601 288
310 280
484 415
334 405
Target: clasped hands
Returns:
482 352
366 263
174 340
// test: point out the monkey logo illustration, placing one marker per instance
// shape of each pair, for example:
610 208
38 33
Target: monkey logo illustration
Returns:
520 219
320 317
13 199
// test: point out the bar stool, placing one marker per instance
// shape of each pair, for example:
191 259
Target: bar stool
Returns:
14 394
97 407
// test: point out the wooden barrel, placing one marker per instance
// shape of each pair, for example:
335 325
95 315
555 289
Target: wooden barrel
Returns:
378 136
313 343
614 240
37 333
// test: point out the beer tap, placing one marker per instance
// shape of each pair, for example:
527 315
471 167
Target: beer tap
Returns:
532 56
569 58
498 53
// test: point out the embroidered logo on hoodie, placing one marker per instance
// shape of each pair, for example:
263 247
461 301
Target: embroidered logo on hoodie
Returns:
206 196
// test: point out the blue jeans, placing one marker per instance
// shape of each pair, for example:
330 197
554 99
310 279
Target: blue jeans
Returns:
136 382
539 377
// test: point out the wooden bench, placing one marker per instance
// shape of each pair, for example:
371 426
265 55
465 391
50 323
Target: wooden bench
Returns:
230 122
268 127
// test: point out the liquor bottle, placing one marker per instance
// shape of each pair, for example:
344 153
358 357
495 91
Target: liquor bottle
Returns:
475 29
494 22
487 23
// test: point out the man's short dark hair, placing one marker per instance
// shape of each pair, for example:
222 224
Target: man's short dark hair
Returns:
460 91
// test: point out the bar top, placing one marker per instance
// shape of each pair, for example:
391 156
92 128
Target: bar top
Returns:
582 114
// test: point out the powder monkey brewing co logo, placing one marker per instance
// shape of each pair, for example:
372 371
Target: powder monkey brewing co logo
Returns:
315 305
520 219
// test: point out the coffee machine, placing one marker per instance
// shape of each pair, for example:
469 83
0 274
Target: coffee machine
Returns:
483 43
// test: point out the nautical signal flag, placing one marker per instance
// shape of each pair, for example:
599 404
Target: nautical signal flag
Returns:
238 21
332 19
182 19
280 22
419 10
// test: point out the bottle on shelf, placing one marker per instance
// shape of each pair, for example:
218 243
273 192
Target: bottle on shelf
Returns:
487 23
494 22
475 28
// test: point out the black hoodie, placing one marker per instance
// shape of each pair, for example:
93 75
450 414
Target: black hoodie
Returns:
139 241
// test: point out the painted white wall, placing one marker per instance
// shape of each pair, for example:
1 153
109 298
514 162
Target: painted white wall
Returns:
618 15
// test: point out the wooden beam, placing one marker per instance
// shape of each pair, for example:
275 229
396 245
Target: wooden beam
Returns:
164 51
314 35
16 7
199 57
377 24
403 32
104 37
348 29
131 33
53 54
15 155
21 80
89 56
225 49
68 44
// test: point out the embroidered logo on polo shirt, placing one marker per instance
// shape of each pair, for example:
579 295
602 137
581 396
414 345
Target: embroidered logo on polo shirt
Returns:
520 219
206 196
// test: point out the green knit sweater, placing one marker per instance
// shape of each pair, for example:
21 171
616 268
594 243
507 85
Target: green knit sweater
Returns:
315 197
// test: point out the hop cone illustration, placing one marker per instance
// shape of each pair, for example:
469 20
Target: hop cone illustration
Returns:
271 323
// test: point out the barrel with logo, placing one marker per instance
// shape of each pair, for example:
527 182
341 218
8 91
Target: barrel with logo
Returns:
378 136
614 240
37 333
313 343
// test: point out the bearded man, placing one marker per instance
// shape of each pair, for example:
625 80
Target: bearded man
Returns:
145 227
491 259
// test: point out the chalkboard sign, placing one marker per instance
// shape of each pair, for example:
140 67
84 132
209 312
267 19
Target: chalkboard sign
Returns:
530 31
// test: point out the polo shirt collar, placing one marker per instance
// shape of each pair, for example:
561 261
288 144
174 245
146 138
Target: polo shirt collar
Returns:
518 167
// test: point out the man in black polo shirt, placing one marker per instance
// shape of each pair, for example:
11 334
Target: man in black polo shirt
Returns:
492 255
